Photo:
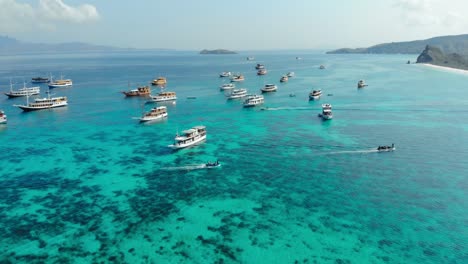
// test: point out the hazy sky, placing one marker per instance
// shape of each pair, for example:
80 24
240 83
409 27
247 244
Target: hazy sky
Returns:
237 25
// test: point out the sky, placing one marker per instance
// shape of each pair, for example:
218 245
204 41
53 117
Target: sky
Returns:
235 25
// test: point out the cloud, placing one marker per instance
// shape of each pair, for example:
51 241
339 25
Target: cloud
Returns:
47 15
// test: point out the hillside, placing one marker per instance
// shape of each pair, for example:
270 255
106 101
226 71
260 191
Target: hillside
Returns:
447 44
217 51
434 55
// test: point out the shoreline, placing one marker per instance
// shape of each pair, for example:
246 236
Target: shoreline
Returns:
445 68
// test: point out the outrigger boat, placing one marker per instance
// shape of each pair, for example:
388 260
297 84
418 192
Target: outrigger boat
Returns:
190 137
210 164
386 148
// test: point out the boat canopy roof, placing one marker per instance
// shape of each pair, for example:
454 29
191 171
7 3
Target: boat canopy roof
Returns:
199 127
189 131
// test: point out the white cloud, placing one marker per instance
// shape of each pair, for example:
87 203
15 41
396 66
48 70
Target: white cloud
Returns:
22 17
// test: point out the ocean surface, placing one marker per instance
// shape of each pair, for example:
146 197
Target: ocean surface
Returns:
88 183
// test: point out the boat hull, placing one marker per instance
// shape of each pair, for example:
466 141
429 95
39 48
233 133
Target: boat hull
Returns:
59 85
20 95
29 108
152 118
314 97
192 143
163 99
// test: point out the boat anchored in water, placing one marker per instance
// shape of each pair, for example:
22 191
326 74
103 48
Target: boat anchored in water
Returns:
315 95
290 74
44 103
190 137
140 91
164 96
284 78
227 86
322 67
40 80
269 88
61 83
25 91
262 72
3 117
237 93
361 84
326 112
259 66
225 74
154 114
254 100
159 81
386 148
238 78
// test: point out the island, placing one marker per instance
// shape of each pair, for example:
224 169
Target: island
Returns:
217 51
435 56
448 44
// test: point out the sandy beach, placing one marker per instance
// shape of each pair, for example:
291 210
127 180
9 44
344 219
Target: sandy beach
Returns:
446 68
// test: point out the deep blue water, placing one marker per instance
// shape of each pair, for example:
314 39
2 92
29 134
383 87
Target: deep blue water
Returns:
87 183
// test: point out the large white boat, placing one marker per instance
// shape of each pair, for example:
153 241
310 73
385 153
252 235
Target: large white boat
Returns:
44 103
315 95
269 88
254 100
190 137
164 96
25 91
154 114
237 93
227 86
3 117
237 78
225 74
326 112
61 83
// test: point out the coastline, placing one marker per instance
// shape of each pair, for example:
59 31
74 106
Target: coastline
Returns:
445 68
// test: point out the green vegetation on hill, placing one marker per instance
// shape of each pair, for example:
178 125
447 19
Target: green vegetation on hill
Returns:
217 51
434 55
447 44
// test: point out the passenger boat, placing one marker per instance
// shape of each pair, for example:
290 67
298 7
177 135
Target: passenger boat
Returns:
227 86
284 78
190 137
237 78
161 81
210 164
315 94
254 100
262 72
259 66
154 114
225 74
44 103
322 67
25 91
3 117
140 91
386 148
40 80
291 74
237 93
164 96
326 112
361 84
269 88
62 83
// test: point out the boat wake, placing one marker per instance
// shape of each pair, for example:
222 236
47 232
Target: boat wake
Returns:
187 167
285 108
352 151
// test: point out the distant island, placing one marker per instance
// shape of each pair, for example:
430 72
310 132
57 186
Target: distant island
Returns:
447 44
435 56
217 51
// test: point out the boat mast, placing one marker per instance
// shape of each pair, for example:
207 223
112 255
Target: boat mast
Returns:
11 86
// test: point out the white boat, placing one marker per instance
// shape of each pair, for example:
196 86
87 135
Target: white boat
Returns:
225 74
164 96
3 117
62 83
262 72
227 86
238 78
361 84
269 88
44 103
326 112
237 93
254 100
190 137
386 148
259 66
25 91
154 114
284 78
290 74
315 94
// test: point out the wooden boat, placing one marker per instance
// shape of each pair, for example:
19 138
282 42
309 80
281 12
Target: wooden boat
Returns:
159 81
140 91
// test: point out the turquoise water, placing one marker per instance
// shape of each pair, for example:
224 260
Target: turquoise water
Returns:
88 184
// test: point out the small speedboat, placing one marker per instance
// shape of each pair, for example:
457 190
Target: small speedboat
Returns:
386 148
210 164
361 84
284 78
227 86
225 74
